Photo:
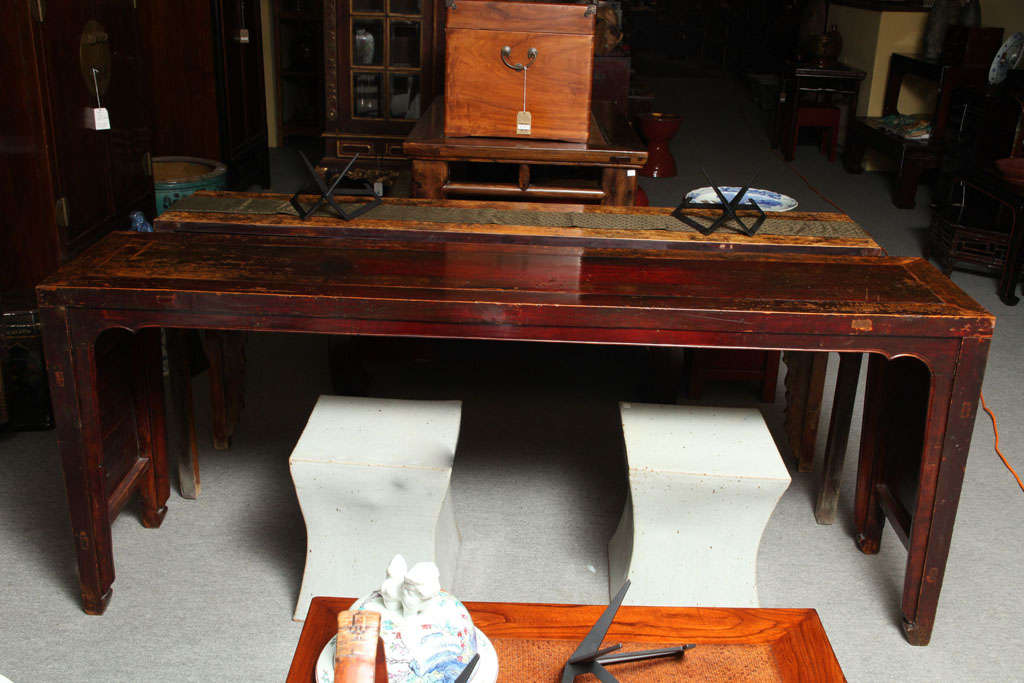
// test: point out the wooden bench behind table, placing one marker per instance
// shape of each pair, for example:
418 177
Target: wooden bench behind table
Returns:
473 221
917 427
613 148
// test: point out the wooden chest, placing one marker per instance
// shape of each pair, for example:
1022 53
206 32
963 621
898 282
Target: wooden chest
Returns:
484 81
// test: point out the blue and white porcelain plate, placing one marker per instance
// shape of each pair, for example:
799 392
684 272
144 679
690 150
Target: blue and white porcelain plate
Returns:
1007 59
766 199
486 670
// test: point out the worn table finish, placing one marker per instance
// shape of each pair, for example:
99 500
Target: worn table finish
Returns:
888 307
799 649
820 232
613 147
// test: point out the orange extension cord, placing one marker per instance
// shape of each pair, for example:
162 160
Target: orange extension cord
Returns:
998 452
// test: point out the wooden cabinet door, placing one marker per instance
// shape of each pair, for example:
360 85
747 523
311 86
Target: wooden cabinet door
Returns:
243 104
130 136
100 172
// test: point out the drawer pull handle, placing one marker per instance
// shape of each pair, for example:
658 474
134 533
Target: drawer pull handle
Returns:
506 52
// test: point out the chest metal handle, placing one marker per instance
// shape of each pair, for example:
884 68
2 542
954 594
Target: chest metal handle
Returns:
506 52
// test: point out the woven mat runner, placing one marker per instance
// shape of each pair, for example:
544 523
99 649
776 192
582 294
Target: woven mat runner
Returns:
773 225
541 661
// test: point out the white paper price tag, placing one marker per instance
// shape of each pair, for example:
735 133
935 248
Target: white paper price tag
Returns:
97 118
242 35
524 123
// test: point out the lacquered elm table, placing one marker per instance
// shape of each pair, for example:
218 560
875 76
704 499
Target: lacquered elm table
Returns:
612 147
531 640
575 225
918 421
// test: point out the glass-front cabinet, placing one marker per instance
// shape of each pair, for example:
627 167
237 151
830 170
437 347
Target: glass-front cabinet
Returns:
382 61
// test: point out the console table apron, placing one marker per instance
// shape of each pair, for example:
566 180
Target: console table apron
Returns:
891 308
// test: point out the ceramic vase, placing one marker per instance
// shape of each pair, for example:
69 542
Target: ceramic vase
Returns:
364 45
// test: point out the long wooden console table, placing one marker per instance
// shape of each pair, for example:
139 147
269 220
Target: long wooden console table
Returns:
910 470
575 225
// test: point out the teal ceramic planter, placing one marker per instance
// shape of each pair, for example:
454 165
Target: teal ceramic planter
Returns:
177 177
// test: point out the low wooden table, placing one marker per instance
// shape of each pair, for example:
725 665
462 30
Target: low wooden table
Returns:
533 640
613 148
920 405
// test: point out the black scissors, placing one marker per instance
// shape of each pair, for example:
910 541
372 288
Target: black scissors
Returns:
590 657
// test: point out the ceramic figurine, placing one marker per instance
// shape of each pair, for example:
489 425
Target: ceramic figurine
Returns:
428 634
139 222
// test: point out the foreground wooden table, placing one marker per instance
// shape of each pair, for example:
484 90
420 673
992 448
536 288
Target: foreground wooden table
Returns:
917 427
770 644
613 148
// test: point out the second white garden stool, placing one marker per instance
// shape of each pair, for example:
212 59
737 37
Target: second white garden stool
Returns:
371 476
703 482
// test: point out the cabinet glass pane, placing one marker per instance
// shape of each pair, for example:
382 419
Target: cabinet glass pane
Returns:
368 42
367 95
406 6
405 43
405 96
367 5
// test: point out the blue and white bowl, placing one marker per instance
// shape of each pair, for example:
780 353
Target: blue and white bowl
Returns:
766 199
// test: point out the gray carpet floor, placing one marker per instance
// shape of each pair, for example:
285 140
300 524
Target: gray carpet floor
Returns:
537 485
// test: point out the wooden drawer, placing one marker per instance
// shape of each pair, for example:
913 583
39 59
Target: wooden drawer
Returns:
483 95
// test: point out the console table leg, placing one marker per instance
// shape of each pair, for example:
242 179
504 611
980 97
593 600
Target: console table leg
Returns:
947 440
150 422
71 366
838 436
181 414
619 187
805 383
429 178
868 517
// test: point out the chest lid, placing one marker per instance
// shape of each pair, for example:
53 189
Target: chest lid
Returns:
533 17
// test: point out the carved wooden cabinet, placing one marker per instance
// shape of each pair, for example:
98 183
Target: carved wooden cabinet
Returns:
62 185
381 71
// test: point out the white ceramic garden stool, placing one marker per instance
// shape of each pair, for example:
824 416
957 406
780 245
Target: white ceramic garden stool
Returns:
371 476
703 482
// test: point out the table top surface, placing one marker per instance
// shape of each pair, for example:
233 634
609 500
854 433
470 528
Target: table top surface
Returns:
247 213
612 142
512 290
785 644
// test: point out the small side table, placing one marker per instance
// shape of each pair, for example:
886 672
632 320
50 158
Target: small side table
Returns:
816 86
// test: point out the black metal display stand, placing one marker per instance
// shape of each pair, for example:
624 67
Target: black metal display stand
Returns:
728 212
356 188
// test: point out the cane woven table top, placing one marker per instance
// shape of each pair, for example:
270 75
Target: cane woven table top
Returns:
454 220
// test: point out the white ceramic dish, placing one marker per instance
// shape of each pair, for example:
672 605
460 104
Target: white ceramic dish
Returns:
766 199
486 670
